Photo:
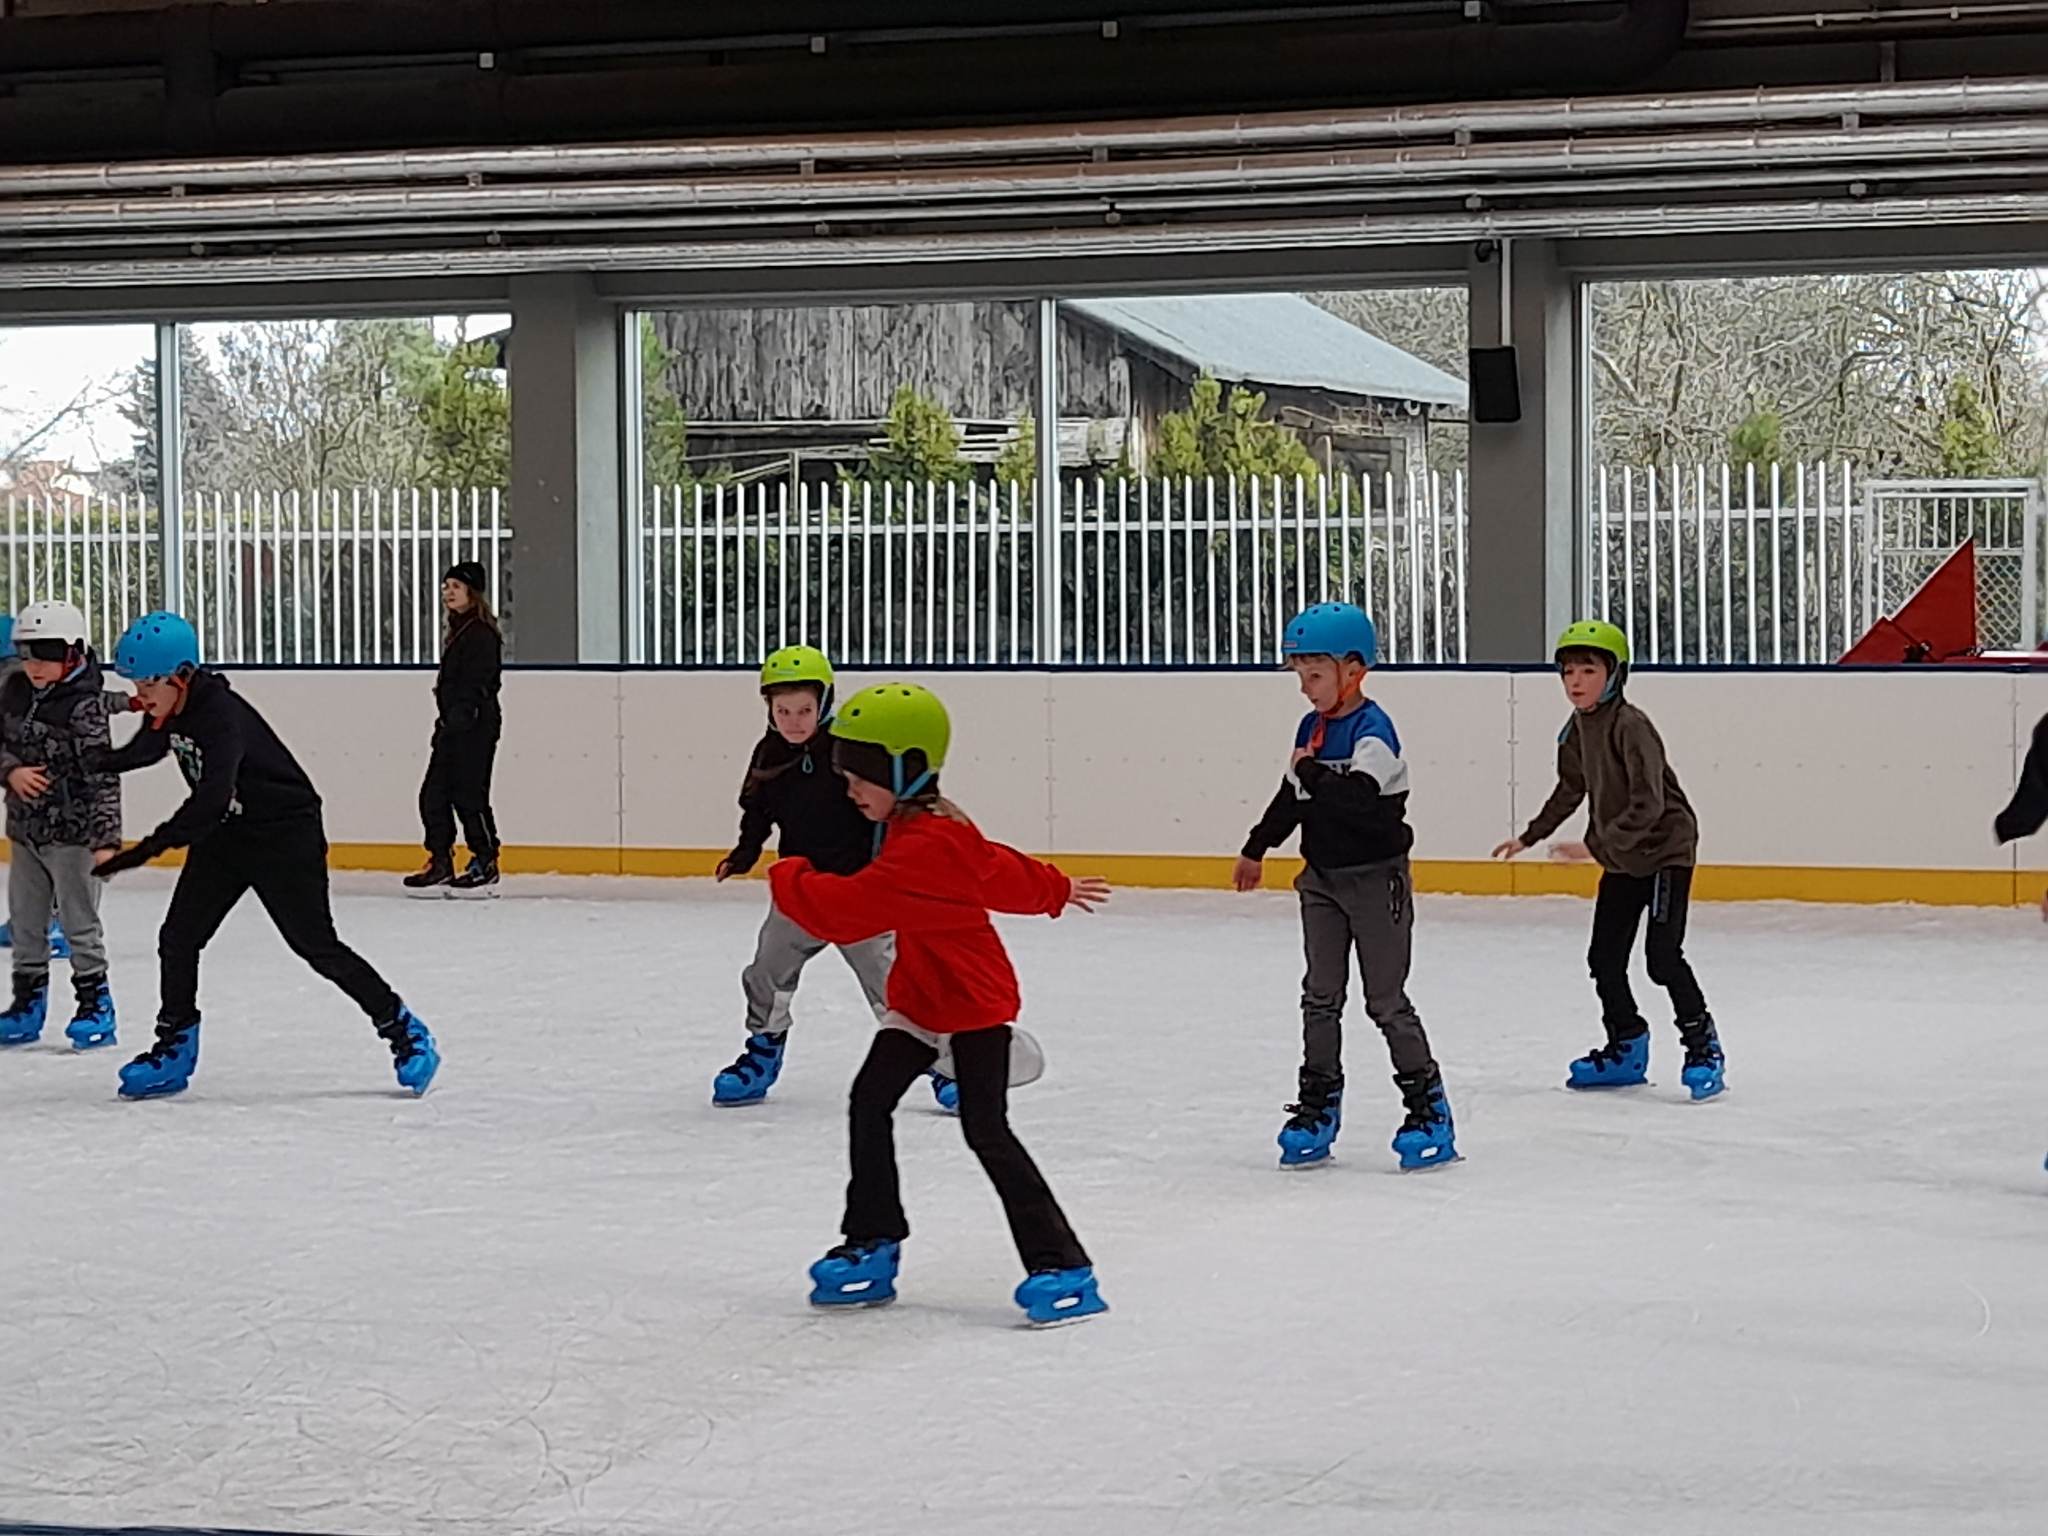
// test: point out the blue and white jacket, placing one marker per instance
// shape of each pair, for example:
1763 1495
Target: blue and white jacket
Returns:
1350 800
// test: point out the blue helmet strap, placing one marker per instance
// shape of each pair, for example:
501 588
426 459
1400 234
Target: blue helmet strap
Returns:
905 791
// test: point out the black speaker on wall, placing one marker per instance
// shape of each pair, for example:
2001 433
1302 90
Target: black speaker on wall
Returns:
1496 390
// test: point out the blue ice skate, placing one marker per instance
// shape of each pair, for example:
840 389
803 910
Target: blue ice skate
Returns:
167 1066
1704 1060
946 1093
413 1051
1618 1064
92 1025
1052 1296
1427 1138
22 1023
749 1078
1312 1128
856 1275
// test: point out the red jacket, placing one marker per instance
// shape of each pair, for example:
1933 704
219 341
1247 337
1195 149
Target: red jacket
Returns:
934 884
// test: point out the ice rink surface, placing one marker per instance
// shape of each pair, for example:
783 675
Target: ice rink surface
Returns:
564 1294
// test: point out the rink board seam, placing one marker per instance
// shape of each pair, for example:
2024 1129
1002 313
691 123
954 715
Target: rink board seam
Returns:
1456 877
1198 871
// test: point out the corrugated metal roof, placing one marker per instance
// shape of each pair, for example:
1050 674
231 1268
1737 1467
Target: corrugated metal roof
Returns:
1273 338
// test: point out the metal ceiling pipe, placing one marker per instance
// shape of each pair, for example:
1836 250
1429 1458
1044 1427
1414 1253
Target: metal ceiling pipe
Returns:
1852 150
1965 98
1071 212
904 250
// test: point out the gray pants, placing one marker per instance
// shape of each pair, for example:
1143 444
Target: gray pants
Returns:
57 877
1372 908
779 959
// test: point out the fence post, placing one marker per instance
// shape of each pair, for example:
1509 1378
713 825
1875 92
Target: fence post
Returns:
1046 509
170 468
2030 584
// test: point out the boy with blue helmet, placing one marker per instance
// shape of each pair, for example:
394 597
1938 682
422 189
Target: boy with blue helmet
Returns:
1346 790
251 823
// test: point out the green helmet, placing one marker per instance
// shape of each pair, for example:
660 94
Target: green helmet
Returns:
1594 635
796 664
901 723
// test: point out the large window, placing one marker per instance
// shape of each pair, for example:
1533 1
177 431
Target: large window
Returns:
78 470
331 470
1779 461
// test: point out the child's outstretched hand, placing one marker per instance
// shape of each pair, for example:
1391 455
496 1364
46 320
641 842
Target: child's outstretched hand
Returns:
1510 848
1247 874
1087 892
724 870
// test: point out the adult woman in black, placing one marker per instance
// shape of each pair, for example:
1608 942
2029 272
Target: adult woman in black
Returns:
458 781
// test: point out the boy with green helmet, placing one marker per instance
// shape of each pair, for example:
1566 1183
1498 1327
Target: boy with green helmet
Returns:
791 786
953 996
1641 829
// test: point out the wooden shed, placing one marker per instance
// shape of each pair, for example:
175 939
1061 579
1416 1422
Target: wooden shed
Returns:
802 391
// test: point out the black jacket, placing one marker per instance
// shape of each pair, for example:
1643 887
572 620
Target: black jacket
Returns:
795 789
2028 808
241 775
56 729
466 688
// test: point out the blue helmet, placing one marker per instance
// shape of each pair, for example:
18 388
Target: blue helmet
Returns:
1332 629
156 645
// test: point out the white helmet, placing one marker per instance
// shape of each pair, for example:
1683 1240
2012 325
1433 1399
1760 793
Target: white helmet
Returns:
50 621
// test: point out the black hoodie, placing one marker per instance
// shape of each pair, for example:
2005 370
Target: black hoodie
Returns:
794 788
241 775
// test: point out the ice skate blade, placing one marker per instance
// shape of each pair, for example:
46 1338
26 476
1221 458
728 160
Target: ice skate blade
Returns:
1303 1164
485 893
853 1303
13 1042
1064 1320
428 893
1430 1166
1572 1087
91 1042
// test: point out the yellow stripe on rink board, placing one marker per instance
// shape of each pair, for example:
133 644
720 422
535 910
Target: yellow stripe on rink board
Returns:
1463 877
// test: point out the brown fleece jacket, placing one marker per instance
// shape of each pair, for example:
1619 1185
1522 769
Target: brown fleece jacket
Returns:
1640 821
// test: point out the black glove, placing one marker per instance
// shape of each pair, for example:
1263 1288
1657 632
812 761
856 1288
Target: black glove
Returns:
130 858
1310 772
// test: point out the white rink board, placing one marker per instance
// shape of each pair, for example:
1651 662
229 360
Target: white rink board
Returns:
1828 770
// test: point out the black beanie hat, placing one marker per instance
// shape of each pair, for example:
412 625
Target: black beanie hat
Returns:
470 573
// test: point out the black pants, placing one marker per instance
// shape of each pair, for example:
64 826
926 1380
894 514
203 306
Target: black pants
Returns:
458 783
285 864
874 1199
1624 899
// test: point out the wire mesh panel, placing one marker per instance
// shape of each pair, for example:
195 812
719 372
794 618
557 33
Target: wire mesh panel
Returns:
1919 523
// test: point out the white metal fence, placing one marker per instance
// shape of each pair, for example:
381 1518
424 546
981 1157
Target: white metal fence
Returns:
1183 573
317 576
1700 565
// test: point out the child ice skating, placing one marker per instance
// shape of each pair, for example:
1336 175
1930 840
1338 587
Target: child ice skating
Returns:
1346 790
61 818
792 787
10 664
251 822
952 992
1641 829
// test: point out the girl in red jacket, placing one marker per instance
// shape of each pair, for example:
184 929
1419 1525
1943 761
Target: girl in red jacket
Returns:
934 882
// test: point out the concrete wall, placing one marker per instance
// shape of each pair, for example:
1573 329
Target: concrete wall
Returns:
1845 785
